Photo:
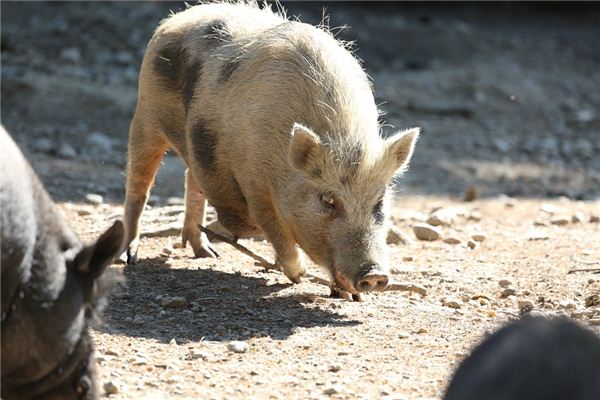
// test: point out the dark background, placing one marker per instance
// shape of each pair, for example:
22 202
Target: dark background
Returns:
508 94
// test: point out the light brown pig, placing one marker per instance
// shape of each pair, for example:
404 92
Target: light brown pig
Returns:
277 125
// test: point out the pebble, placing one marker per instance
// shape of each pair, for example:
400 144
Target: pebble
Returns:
238 346
594 219
426 232
471 244
66 151
504 283
451 302
509 291
560 221
525 305
110 388
139 320
452 240
478 237
441 218
99 142
94 199
332 390
335 368
592 300
396 236
568 304
407 286
173 342
548 208
175 201
71 54
173 302
43 145
579 217
196 354
139 361
595 321
173 229
537 235
82 212
471 194
403 335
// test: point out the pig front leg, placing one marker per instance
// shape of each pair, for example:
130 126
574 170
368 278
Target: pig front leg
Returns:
195 214
283 242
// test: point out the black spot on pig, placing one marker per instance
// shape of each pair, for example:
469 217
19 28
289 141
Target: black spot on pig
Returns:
216 32
169 63
228 68
532 359
191 76
205 145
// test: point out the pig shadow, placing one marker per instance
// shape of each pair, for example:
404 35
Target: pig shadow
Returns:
219 306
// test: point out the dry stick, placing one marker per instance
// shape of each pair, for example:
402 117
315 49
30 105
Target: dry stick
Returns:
593 270
402 286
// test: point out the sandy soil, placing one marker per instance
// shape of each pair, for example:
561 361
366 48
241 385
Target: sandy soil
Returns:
508 99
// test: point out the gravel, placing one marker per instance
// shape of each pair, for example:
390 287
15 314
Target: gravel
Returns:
238 347
426 232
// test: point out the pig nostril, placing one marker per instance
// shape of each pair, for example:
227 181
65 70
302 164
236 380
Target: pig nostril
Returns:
381 284
364 285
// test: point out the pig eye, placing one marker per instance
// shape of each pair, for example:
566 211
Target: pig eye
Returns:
328 201
378 212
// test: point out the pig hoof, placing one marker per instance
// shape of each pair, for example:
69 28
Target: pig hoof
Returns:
344 295
131 256
206 252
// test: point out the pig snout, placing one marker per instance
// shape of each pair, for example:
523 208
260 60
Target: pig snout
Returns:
371 278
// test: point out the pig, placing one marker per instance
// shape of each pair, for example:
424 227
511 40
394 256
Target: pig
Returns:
531 359
52 287
279 131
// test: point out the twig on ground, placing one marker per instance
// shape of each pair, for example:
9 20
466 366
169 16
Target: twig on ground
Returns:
592 270
393 286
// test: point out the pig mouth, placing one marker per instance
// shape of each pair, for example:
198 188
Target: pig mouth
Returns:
342 283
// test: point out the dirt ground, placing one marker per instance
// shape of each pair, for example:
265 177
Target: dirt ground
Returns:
508 98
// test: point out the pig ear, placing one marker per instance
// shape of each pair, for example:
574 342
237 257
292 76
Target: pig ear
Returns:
305 146
400 148
92 259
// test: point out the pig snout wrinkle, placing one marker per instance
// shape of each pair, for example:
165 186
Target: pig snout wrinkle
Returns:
372 280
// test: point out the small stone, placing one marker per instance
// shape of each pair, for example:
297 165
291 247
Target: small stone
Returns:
548 208
196 354
537 235
173 342
173 229
177 245
594 219
595 321
335 368
471 194
166 251
94 199
43 145
396 236
540 223
592 300
567 304
238 346
71 54
66 151
175 201
509 291
478 237
525 305
559 221
407 287
579 217
332 390
173 302
110 388
441 217
82 212
504 283
403 335
139 320
426 232
408 258
471 244
451 302
394 396
452 240
139 361
474 216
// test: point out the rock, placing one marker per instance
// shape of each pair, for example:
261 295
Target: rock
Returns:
124 57
504 283
238 346
595 321
403 335
451 302
426 232
471 194
173 342
173 302
594 219
452 240
441 217
99 142
82 212
66 151
592 300
567 304
509 291
110 388
560 221
406 286
525 305
579 217
175 201
139 361
139 320
548 208
537 235
396 236
471 244
585 115
71 54
43 145
335 368
196 354
173 229
332 390
474 216
94 199
478 237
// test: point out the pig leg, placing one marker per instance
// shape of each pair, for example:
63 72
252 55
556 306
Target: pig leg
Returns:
195 205
145 151
283 242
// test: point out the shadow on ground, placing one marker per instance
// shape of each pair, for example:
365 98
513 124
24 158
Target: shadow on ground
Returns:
225 306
